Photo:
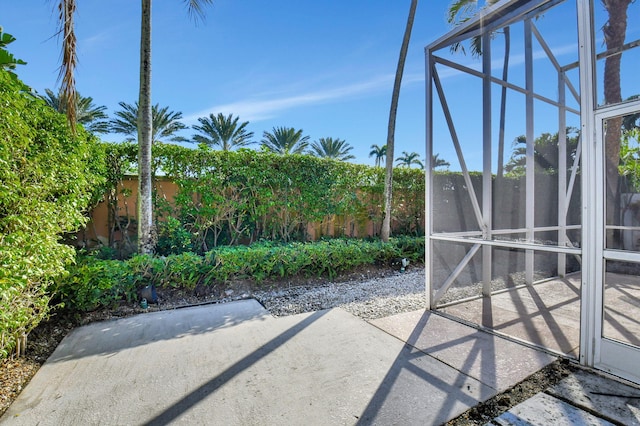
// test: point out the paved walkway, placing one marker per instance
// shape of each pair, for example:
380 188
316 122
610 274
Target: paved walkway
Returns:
234 364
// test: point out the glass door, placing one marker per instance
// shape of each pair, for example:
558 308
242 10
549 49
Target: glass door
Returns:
618 286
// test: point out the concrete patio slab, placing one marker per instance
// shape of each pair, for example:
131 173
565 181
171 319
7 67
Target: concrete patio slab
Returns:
234 364
545 410
596 393
494 361
546 314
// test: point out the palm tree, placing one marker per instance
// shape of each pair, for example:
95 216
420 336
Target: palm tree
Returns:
223 132
409 159
436 161
165 123
336 149
615 30
285 140
379 152
146 231
67 9
385 232
545 153
92 117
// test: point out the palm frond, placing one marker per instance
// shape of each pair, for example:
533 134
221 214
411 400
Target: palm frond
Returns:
337 149
461 11
196 10
285 140
222 131
165 123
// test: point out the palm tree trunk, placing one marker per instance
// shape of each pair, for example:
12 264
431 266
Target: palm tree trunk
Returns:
67 9
146 234
503 102
391 129
614 34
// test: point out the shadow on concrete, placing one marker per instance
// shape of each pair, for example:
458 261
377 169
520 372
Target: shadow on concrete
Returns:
113 336
460 394
208 388
545 314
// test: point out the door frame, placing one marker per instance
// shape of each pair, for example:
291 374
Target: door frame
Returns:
608 355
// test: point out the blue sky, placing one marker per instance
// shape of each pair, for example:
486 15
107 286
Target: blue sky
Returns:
326 67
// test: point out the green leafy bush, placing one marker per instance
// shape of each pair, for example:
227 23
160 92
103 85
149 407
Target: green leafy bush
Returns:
46 180
173 238
93 283
240 197
183 271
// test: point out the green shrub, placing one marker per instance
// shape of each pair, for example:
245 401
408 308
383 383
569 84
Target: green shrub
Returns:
146 269
413 248
94 283
182 270
46 180
173 238
234 197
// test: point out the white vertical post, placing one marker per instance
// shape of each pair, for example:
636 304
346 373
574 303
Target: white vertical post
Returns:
487 177
428 175
530 160
591 261
562 174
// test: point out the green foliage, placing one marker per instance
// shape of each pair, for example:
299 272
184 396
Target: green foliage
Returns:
222 131
94 283
243 196
165 123
91 116
183 271
8 62
413 248
546 154
630 158
46 181
173 238
336 149
285 141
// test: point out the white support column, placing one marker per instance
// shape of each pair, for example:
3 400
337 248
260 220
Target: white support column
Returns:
487 177
428 175
530 160
591 261
562 174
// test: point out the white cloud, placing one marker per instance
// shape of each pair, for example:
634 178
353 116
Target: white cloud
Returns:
263 107
94 42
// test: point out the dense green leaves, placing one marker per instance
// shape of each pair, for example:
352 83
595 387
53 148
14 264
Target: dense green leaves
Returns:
94 283
8 62
91 116
239 197
46 181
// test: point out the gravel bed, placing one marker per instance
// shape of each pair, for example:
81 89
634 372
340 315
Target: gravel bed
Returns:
369 299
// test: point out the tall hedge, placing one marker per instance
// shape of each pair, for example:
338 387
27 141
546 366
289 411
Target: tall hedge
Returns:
47 178
231 197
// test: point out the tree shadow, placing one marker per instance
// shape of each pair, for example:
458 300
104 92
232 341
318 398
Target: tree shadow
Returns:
113 336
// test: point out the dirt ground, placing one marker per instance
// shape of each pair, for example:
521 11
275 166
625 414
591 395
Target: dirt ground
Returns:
16 372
